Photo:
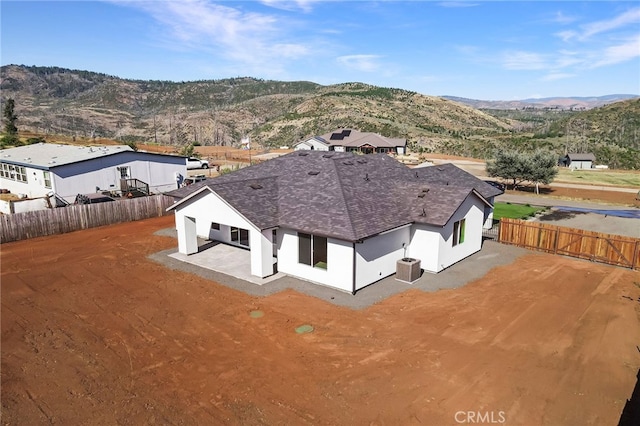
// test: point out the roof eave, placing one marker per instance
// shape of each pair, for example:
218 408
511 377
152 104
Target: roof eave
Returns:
189 197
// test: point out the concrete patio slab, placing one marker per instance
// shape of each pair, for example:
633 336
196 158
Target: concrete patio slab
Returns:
228 272
227 259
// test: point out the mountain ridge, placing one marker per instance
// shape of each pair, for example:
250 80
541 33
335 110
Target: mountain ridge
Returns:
53 100
573 103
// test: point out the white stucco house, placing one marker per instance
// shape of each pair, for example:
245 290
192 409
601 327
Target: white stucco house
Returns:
68 170
350 140
338 219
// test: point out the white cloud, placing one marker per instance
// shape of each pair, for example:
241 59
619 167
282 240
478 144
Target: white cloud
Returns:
566 35
619 53
556 76
586 31
631 16
524 61
291 5
566 58
365 63
596 44
561 18
454 3
256 42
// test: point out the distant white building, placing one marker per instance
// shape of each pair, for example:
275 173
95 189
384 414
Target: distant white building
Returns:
579 160
38 170
348 140
316 143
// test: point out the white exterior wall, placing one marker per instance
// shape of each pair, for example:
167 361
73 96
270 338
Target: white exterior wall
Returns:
261 253
376 257
207 208
69 180
425 245
434 245
83 177
302 146
401 150
339 272
311 144
580 164
33 187
25 205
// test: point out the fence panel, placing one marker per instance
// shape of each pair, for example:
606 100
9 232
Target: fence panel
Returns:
61 220
606 248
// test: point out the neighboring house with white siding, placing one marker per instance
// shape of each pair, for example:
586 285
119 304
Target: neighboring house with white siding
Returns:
37 170
349 140
338 219
316 143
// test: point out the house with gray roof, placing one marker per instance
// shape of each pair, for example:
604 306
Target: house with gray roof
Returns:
38 170
579 160
338 219
350 140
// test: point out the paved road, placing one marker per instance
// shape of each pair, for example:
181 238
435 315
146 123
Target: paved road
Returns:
541 200
561 214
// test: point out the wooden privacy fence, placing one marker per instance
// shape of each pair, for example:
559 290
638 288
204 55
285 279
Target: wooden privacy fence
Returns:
73 218
595 246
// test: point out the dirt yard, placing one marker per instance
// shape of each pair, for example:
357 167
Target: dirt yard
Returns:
93 332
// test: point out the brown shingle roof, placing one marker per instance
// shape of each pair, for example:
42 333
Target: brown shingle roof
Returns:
343 195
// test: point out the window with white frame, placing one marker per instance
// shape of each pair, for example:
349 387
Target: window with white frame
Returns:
312 250
21 174
124 172
458 232
18 173
47 179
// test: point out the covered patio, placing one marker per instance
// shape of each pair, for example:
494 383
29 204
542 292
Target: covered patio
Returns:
227 259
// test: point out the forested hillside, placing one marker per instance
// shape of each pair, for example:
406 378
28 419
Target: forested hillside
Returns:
51 100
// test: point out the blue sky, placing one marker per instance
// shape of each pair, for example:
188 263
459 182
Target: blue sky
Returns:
493 50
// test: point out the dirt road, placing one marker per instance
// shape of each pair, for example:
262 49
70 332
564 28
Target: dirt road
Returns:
95 333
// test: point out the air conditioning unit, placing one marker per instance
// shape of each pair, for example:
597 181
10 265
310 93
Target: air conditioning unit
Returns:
408 270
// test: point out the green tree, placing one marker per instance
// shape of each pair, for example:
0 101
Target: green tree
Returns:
538 167
542 167
508 165
10 118
189 151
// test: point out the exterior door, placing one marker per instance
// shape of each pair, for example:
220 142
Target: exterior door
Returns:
240 236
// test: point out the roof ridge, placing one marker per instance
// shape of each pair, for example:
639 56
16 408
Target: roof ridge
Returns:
344 198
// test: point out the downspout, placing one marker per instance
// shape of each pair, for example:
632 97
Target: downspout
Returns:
353 292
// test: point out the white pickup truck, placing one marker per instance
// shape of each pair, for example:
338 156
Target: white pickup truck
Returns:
196 163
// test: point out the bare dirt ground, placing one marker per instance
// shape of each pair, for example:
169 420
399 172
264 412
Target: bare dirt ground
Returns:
93 332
